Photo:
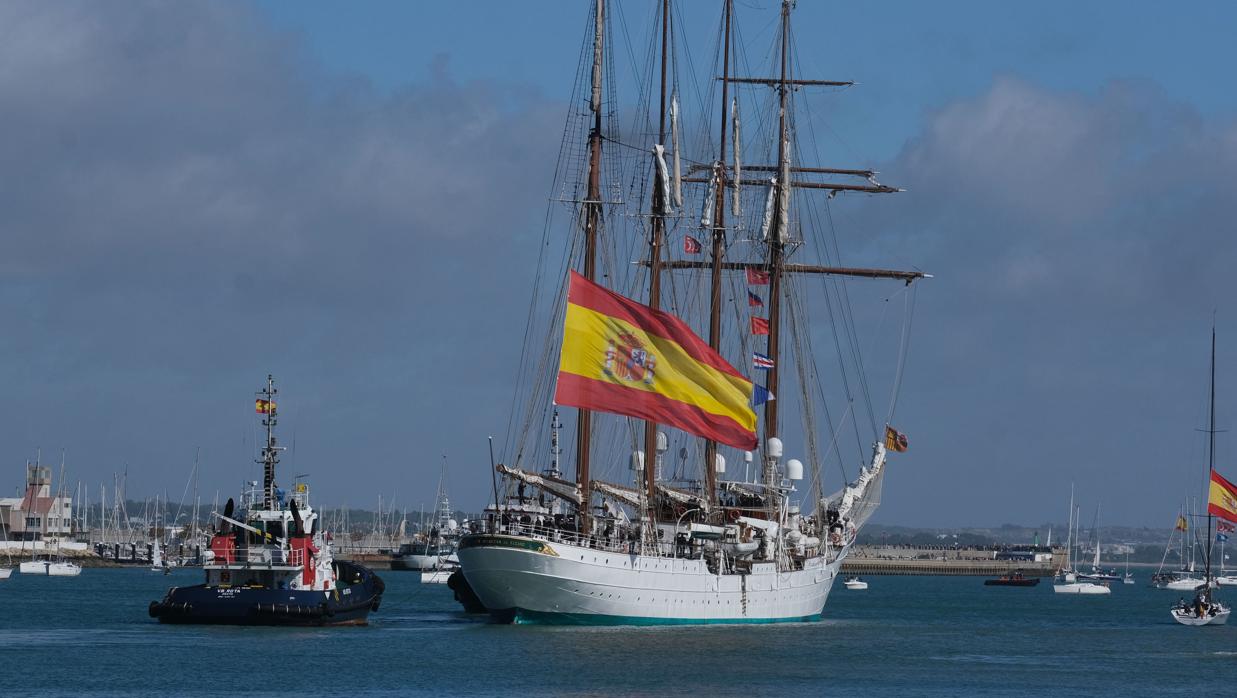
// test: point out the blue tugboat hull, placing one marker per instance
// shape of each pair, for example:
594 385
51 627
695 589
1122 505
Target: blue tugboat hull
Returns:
236 605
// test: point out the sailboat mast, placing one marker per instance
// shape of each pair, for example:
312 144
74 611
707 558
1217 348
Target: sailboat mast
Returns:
1211 452
655 244
592 220
776 238
719 245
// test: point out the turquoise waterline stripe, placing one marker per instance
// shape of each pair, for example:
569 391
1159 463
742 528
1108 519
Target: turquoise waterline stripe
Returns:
524 617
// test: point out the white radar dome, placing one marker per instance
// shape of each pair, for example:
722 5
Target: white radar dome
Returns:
774 447
794 469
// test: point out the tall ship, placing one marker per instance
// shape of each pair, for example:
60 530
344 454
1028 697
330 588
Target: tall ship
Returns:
652 528
269 561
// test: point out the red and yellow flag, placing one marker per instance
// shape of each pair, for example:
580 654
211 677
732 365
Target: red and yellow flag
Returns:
623 357
1222 498
895 440
264 406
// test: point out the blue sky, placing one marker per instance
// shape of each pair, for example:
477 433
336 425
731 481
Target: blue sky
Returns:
363 185
909 57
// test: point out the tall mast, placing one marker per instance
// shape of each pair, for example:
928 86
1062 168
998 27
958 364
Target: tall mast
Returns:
592 220
719 245
776 237
655 244
270 452
1211 453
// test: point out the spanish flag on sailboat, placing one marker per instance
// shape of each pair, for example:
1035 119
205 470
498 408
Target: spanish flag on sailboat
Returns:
623 357
1222 498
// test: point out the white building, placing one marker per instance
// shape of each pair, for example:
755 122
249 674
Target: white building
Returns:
36 514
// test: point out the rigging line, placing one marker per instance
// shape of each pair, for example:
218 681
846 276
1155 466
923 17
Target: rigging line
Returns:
903 351
820 389
848 315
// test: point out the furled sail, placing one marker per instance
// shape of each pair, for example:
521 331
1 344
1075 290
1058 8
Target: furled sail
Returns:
559 488
738 173
674 142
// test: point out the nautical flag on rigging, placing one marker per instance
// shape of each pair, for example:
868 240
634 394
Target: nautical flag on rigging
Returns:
623 357
761 395
264 406
1182 524
754 301
1222 498
1221 537
1224 527
760 362
691 245
760 325
757 277
895 440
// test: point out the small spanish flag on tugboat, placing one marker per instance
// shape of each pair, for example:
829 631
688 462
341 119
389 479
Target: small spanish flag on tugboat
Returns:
623 357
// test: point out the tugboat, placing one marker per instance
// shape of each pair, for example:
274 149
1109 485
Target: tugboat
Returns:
268 564
1014 579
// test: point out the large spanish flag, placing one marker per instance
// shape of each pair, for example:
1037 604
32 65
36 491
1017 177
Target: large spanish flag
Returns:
623 357
1222 498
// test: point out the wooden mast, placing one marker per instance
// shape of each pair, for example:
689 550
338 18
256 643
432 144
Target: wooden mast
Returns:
655 244
777 235
592 220
719 247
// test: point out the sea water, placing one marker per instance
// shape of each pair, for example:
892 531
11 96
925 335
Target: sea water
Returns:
905 636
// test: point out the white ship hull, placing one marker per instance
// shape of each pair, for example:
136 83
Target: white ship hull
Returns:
526 580
1187 617
1081 588
33 567
6 572
64 569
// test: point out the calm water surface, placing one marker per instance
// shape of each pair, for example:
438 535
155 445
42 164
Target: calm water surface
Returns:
905 636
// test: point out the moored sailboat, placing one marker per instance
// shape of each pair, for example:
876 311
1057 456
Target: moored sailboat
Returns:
1205 609
678 550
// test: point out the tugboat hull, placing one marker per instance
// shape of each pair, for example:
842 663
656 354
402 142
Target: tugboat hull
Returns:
230 605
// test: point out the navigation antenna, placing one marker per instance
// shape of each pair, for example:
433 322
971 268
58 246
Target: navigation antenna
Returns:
270 452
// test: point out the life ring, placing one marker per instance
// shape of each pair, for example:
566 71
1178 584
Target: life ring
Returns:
733 515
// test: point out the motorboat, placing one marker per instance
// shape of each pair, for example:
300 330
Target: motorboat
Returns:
855 584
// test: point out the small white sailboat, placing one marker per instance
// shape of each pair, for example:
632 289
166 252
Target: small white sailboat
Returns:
6 572
33 567
1091 588
63 568
1129 576
855 584
1067 580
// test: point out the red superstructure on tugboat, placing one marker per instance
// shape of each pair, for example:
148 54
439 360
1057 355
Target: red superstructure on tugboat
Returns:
269 563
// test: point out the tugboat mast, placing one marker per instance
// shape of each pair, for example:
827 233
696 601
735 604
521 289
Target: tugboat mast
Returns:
270 452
